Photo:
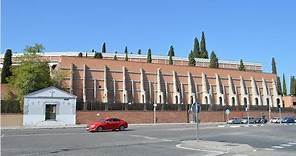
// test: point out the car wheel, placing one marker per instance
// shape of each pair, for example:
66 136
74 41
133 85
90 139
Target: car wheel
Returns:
100 129
121 128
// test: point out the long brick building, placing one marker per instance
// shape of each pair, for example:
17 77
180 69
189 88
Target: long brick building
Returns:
111 81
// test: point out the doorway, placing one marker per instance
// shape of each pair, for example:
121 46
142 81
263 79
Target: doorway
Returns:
50 111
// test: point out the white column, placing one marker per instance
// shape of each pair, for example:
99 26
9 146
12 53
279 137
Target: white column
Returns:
220 93
232 93
175 90
71 77
266 95
159 91
124 91
191 94
105 85
244 93
255 93
277 99
114 90
205 90
95 90
84 84
142 88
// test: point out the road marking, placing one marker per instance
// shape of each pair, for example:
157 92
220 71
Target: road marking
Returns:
277 147
212 153
46 134
286 145
150 138
268 149
234 126
221 125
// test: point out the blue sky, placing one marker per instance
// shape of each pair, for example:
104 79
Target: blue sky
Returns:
250 30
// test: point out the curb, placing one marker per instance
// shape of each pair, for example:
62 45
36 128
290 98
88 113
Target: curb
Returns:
84 125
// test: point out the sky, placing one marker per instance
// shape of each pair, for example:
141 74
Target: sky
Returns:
251 30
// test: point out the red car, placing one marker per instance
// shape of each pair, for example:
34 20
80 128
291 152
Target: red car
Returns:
107 124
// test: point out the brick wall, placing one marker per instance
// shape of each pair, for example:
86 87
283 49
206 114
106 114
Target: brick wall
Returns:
84 117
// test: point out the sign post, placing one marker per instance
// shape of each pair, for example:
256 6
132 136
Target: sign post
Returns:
154 113
227 111
195 107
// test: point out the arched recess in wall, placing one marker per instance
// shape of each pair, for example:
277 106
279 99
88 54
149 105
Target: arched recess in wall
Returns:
245 101
267 102
233 101
207 100
256 101
220 101
143 100
278 102
191 99
160 99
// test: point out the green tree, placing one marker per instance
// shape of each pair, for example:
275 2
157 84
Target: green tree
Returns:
291 85
93 51
171 60
149 57
241 66
57 77
279 86
171 51
6 69
273 64
196 49
80 54
32 74
294 87
284 86
191 59
139 52
125 50
115 57
203 49
98 55
126 57
214 61
104 48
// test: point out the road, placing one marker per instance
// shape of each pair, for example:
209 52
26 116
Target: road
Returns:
144 140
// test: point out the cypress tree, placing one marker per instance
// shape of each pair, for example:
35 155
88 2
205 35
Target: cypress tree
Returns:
214 61
98 55
139 52
292 87
125 50
171 51
191 59
284 86
92 50
196 50
203 49
149 58
115 57
104 48
171 60
273 64
279 86
6 69
241 66
126 57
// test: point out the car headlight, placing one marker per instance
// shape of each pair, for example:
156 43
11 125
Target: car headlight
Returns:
92 126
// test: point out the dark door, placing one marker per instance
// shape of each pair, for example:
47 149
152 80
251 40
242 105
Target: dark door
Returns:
50 112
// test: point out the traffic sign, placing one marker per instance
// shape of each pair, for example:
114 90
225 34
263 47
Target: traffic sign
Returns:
195 107
227 111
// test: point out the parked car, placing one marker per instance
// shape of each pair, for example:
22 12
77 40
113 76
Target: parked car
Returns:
234 121
260 120
288 120
107 124
275 120
245 120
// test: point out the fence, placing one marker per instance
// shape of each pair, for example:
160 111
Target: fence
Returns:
10 106
169 107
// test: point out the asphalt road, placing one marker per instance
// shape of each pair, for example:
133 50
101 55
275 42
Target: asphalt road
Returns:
143 140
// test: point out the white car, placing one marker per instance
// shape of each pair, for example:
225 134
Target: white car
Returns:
275 120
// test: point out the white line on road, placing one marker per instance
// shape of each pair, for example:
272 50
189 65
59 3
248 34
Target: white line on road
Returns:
150 138
46 134
286 145
277 147
268 149
211 153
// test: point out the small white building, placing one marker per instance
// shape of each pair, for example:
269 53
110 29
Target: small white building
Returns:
49 106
